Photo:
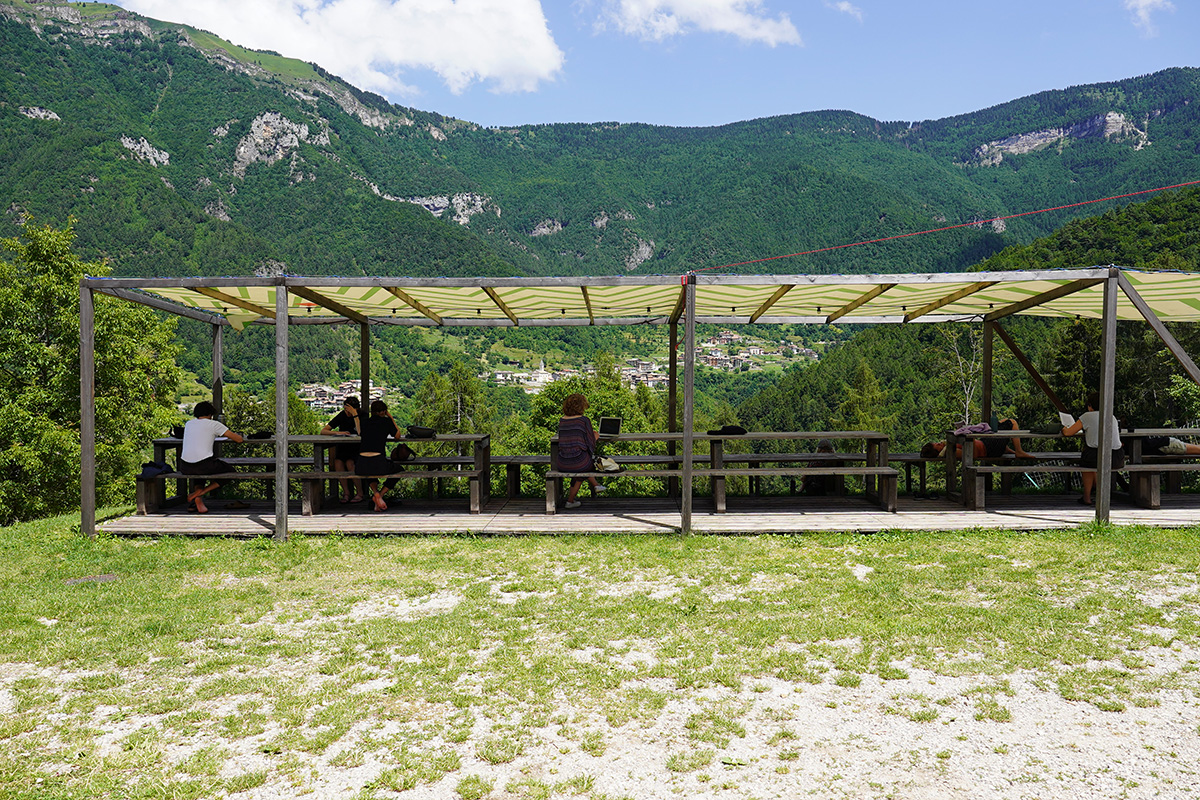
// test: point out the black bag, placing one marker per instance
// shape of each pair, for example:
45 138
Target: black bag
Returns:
152 469
402 452
261 435
1049 427
728 430
421 432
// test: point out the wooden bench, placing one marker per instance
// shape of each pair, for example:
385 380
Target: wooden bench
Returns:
555 478
150 494
884 495
149 491
312 483
977 472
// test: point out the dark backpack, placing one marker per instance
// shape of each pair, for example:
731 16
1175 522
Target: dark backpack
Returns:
152 469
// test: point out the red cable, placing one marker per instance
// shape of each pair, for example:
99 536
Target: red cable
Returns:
949 227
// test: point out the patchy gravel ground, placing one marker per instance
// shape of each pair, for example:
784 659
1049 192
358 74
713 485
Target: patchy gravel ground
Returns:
926 735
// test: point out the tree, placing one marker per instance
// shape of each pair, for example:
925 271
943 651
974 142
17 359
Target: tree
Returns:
454 402
862 410
136 378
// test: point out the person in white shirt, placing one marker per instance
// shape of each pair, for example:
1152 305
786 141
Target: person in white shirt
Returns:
1089 423
196 457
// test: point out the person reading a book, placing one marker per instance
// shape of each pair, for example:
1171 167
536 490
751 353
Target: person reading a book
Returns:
1089 423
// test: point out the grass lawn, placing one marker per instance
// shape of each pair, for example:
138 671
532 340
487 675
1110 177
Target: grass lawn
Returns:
598 666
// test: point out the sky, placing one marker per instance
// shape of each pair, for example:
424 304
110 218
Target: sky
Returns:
705 62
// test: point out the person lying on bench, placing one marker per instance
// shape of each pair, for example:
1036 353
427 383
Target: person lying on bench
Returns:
984 448
196 457
372 463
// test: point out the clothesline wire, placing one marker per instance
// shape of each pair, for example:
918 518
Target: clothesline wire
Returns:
977 223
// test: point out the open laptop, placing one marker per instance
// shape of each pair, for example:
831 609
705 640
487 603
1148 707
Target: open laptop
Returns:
610 427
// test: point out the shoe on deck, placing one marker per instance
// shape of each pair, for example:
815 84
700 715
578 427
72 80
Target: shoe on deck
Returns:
574 504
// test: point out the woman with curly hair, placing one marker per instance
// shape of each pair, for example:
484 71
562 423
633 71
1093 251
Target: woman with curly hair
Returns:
577 446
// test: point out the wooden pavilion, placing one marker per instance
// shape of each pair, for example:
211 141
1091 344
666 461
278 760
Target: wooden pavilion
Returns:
1107 293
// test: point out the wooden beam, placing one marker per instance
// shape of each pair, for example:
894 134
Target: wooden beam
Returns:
230 300
587 300
862 300
501 305
87 412
677 312
414 303
1028 365
780 292
364 366
1172 344
281 413
329 303
988 341
672 382
218 369
673 397
689 381
1102 493
1039 299
166 305
948 299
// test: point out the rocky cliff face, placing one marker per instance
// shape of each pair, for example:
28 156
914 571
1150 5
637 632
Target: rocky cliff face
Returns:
1102 126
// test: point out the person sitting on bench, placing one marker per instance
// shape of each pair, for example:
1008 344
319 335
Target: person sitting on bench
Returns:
372 463
1089 423
196 457
577 446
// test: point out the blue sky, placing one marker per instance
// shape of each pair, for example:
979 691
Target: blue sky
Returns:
705 62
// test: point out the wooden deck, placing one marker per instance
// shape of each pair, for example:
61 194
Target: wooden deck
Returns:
660 515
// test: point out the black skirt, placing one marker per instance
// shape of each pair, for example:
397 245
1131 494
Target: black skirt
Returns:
1089 457
373 466
345 452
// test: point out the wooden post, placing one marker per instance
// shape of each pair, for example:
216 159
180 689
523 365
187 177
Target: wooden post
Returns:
672 382
987 370
689 376
87 412
364 365
673 401
1108 373
218 370
281 412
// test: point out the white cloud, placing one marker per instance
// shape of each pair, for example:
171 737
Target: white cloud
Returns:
505 44
662 19
847 7
1142 9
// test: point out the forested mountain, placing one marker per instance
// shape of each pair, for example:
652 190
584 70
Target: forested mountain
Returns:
179 153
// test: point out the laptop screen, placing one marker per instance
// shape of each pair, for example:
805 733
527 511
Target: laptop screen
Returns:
610 426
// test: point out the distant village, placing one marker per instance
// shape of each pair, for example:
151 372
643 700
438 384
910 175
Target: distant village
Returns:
724 351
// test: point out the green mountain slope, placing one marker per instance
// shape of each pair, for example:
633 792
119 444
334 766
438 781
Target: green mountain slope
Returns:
179 153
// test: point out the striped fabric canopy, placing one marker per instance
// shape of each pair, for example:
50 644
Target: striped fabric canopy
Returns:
723 299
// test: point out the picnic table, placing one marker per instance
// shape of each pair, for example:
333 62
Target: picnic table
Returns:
1144 469
313 475
881 480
